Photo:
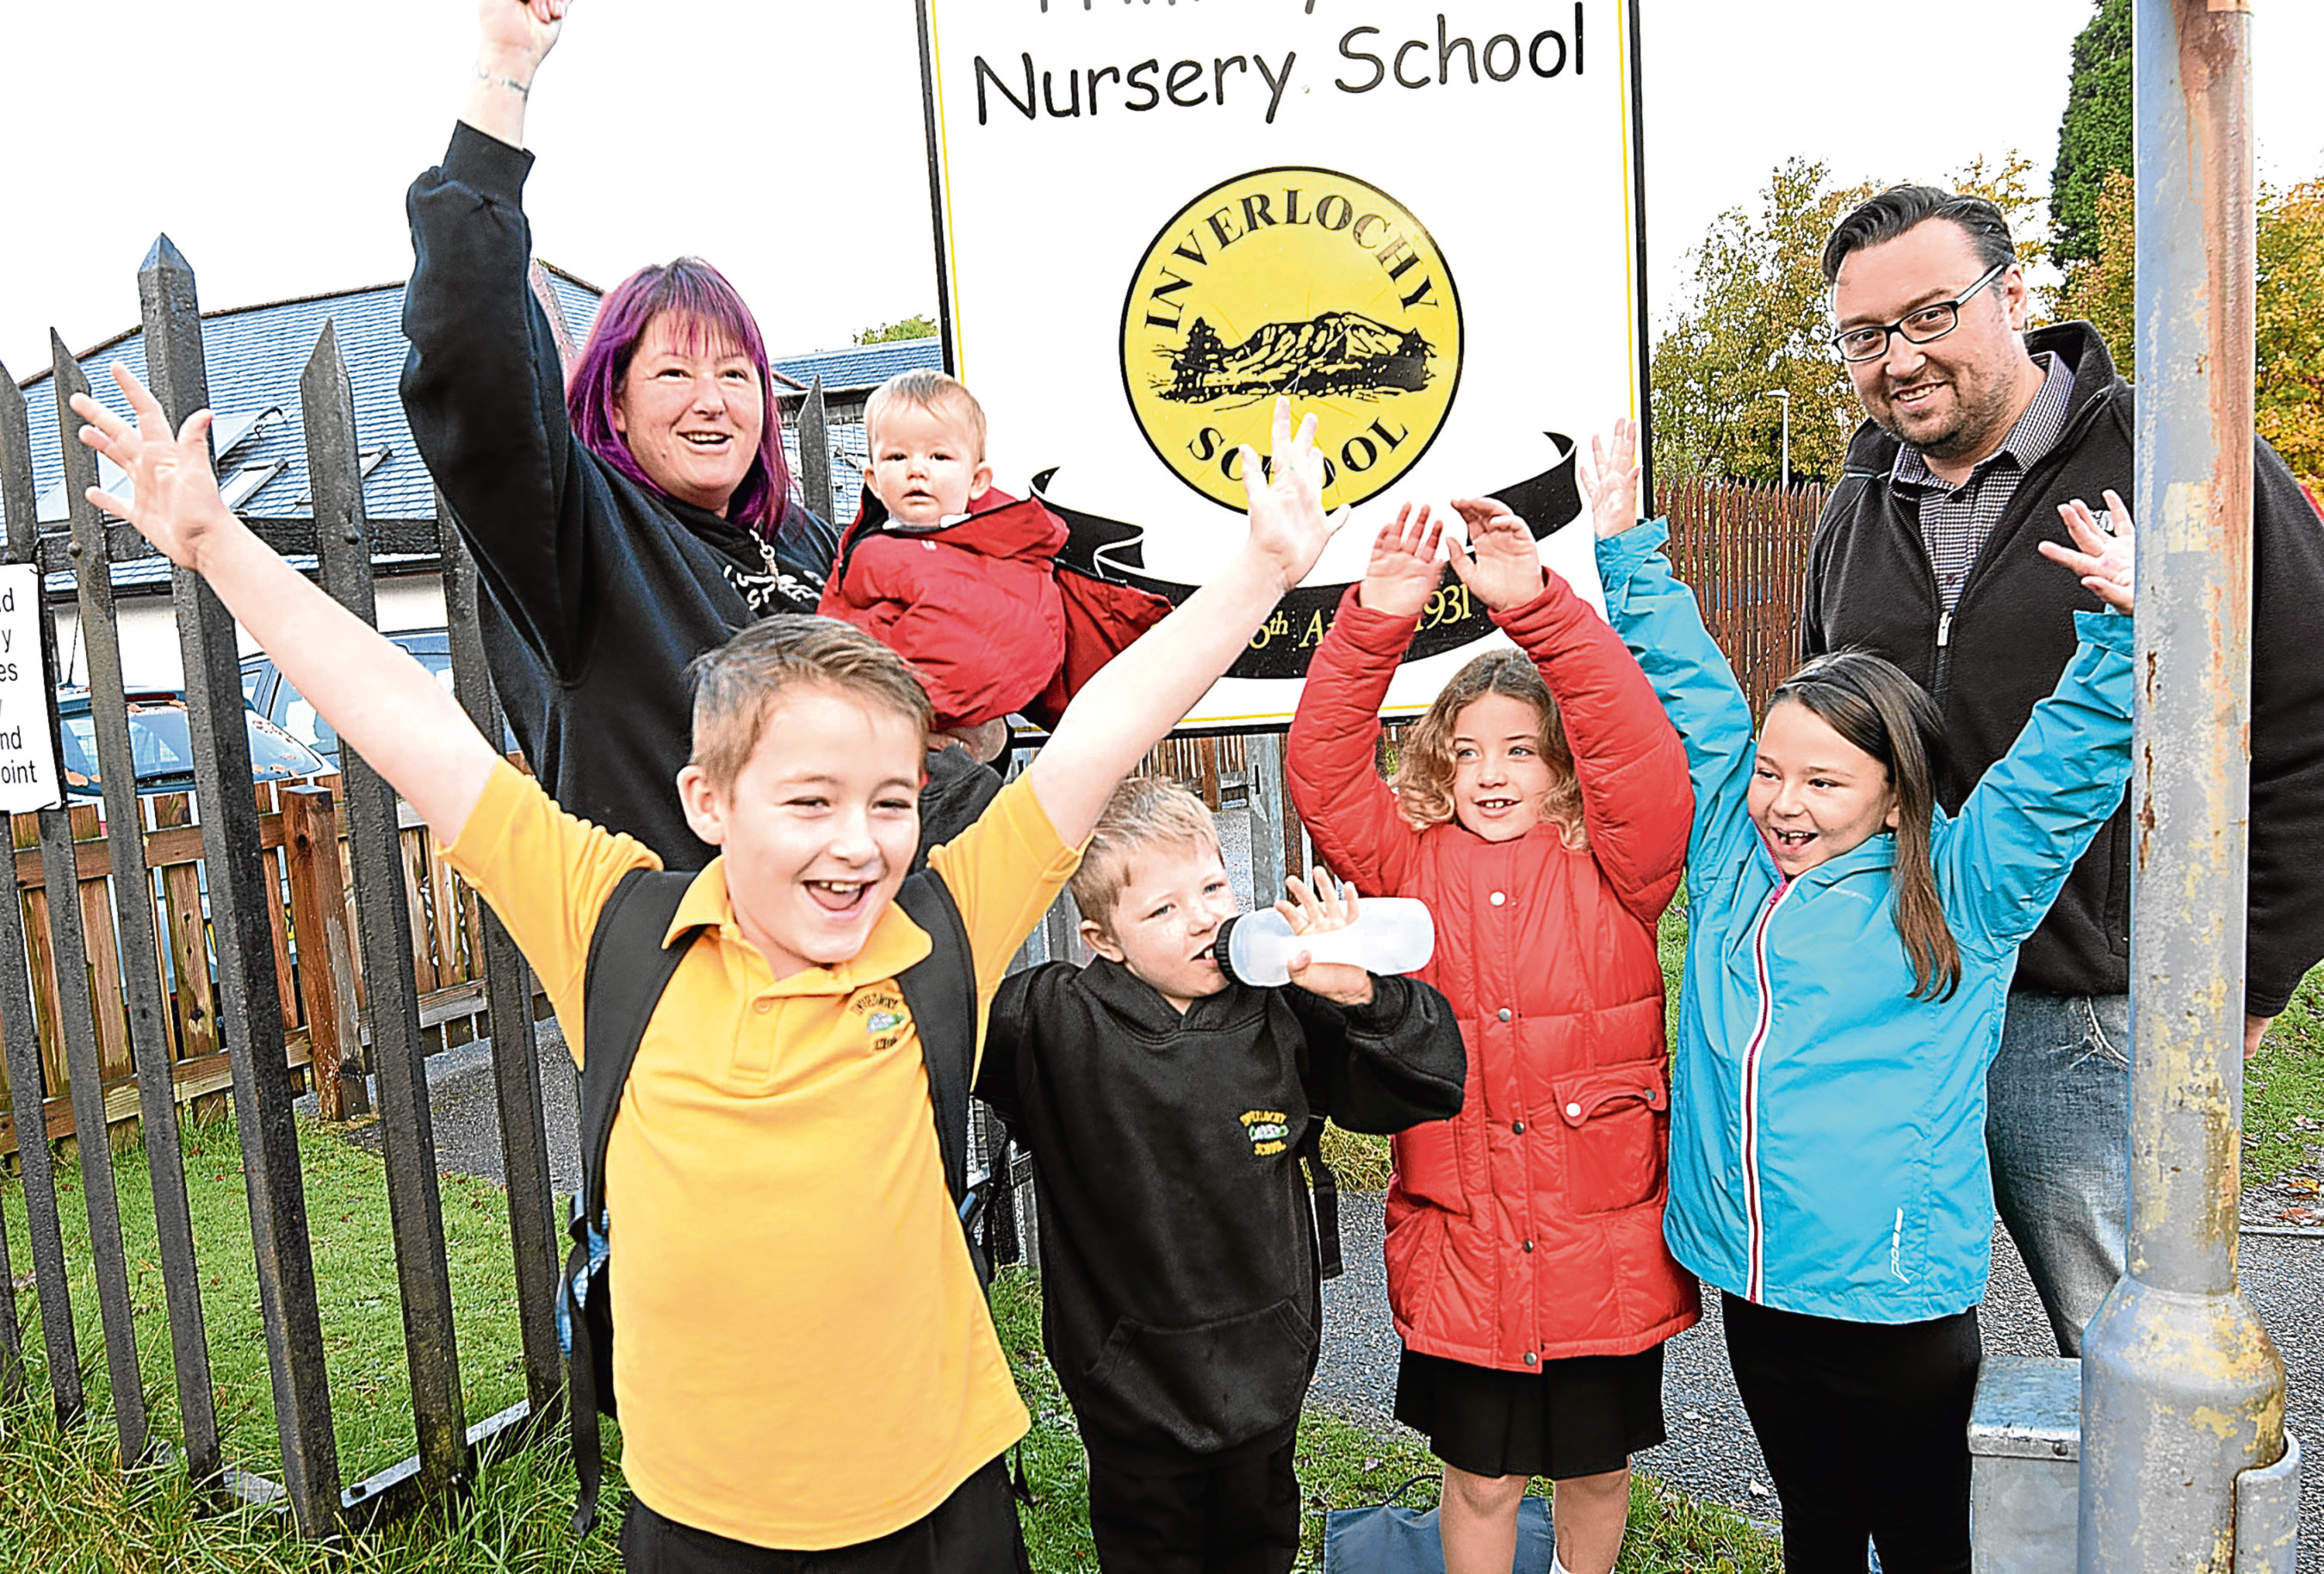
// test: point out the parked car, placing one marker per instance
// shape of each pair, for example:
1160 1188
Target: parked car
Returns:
162 746
274 697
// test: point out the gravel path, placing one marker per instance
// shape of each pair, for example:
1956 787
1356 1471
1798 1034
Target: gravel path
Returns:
1711 1453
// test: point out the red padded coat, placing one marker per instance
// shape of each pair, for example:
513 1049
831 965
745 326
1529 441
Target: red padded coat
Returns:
1528 1226
973 605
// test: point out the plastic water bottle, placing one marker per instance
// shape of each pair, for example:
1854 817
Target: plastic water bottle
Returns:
1391 934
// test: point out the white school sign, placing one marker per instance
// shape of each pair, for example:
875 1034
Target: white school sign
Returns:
1422 223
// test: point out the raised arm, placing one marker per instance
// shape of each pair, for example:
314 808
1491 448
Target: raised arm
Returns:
1657 618
483 385
1141 693
513 37
1352 813
2037 808
1629 762
382 703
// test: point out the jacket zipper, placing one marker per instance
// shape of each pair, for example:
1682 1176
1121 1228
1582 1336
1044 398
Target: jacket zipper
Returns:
2041 469
1755 1283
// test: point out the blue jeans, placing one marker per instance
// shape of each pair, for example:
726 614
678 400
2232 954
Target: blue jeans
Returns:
2057 1127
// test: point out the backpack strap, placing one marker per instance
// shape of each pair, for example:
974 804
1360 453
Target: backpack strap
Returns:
1326 1188
940 992
628 970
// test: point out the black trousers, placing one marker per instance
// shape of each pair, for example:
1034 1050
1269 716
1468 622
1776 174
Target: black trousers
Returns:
1866 1430
1231 1512
973 1531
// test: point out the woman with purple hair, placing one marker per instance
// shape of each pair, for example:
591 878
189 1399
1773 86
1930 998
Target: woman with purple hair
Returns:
624 523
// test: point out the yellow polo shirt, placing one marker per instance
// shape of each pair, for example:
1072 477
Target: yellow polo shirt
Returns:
805 1357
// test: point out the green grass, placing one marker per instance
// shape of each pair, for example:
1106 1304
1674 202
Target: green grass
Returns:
354 1262
66 1506
2284 1088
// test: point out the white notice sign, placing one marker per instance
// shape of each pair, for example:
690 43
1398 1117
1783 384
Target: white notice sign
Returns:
27 748
1420 224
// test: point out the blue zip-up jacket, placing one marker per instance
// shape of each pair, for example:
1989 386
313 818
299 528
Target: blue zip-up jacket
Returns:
1827 1130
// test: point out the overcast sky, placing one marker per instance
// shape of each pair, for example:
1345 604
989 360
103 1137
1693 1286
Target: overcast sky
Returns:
783 140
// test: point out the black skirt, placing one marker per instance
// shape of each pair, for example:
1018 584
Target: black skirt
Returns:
1580 1417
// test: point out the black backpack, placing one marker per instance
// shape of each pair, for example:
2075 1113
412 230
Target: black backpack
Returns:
629 967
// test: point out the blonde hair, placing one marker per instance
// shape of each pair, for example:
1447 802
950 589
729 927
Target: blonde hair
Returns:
1423 775
928 390
1144 810
736 685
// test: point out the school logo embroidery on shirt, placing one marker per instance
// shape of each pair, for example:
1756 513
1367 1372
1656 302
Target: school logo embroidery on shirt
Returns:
1269 1131
1296 281
880 1009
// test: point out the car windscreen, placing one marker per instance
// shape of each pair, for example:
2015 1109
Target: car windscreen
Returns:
162 748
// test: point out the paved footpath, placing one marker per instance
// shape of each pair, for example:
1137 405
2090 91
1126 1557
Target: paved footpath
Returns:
1711 1453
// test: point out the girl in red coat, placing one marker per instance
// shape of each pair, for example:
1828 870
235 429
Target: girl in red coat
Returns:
1541 810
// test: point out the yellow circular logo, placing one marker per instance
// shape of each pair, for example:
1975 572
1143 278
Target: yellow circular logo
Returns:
1294 280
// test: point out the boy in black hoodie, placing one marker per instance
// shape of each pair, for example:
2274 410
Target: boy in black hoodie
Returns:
1166 1108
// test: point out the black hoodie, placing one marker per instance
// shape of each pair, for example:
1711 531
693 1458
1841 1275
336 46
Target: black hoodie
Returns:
1870 586
1182 1300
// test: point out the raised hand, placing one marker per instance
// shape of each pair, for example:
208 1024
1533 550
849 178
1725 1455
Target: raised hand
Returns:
1502 563
1610 480
1406 564
1288 527
513 37
519 30
2106 562
174 497
1318 906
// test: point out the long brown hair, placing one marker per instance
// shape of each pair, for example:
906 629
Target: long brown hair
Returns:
1871 703
1423 772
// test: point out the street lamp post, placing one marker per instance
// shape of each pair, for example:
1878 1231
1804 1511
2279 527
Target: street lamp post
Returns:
1786 395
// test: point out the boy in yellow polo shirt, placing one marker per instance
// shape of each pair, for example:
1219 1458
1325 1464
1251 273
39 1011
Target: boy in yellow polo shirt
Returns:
806 1365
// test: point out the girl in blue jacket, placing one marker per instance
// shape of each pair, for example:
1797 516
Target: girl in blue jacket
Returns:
1849 952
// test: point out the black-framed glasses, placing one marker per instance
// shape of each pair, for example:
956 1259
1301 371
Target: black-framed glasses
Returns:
1869 341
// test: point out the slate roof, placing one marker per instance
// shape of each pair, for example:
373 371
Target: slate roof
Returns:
859 366
255 354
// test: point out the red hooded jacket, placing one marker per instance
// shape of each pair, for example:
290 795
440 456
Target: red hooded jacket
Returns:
973 605
1528 1226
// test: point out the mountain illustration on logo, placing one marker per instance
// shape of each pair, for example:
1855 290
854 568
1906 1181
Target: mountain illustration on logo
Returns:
1337 352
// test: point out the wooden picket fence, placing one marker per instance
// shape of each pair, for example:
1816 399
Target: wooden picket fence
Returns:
309 893
1744 549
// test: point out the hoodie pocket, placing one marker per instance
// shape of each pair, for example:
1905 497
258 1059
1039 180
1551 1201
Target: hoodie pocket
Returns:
1208 1386
1617 1134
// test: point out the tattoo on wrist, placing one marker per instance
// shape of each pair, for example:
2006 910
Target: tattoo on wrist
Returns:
491 78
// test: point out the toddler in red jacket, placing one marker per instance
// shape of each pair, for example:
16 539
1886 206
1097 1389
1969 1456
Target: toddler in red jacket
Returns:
952 575
1541 810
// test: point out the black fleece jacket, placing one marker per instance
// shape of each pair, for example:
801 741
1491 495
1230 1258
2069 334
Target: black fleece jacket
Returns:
596 591
1869 586
1182 1300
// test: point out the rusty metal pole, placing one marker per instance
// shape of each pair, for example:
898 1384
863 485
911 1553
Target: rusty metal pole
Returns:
2183 1390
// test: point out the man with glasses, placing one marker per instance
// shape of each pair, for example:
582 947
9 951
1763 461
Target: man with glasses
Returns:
1978 430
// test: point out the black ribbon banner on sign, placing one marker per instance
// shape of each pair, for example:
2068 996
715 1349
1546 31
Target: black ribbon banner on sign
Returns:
1106 548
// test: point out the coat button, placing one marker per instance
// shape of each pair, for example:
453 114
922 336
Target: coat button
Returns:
1518 1127
1532 1360
1505 1013
762 1006
1573 1111
1528 1245
1497 898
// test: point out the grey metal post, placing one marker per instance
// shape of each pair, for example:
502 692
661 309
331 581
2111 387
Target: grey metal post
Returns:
2181 1388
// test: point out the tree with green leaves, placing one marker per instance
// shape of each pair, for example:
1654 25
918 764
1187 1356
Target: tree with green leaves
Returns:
1758 319
917 327
2094 139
